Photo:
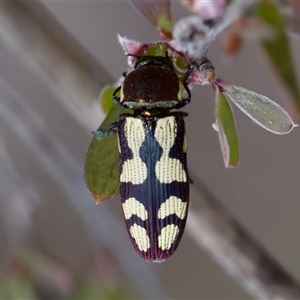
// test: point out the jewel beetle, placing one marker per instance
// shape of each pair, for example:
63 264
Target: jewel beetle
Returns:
152 141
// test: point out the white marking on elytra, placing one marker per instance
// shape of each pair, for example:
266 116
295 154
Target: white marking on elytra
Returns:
139 234
168 169
173 205
134 170
167 236
133 207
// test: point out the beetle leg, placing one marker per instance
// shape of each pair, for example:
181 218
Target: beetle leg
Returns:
115 97
99 133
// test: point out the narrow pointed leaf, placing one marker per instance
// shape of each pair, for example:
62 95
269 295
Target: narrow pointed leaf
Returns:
158 13
262 110
101 170
278 51
225 126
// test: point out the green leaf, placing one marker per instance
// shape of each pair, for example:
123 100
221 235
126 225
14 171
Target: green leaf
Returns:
227 131
106 99
278 51
101 170
262 110
91 288
17 288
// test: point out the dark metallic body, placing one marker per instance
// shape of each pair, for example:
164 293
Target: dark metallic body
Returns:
151 90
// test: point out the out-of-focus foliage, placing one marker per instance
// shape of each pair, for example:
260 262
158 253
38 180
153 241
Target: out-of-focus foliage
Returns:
90 289
33 275
277 49
158 13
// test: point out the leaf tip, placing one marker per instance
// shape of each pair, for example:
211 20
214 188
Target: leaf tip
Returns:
215 126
